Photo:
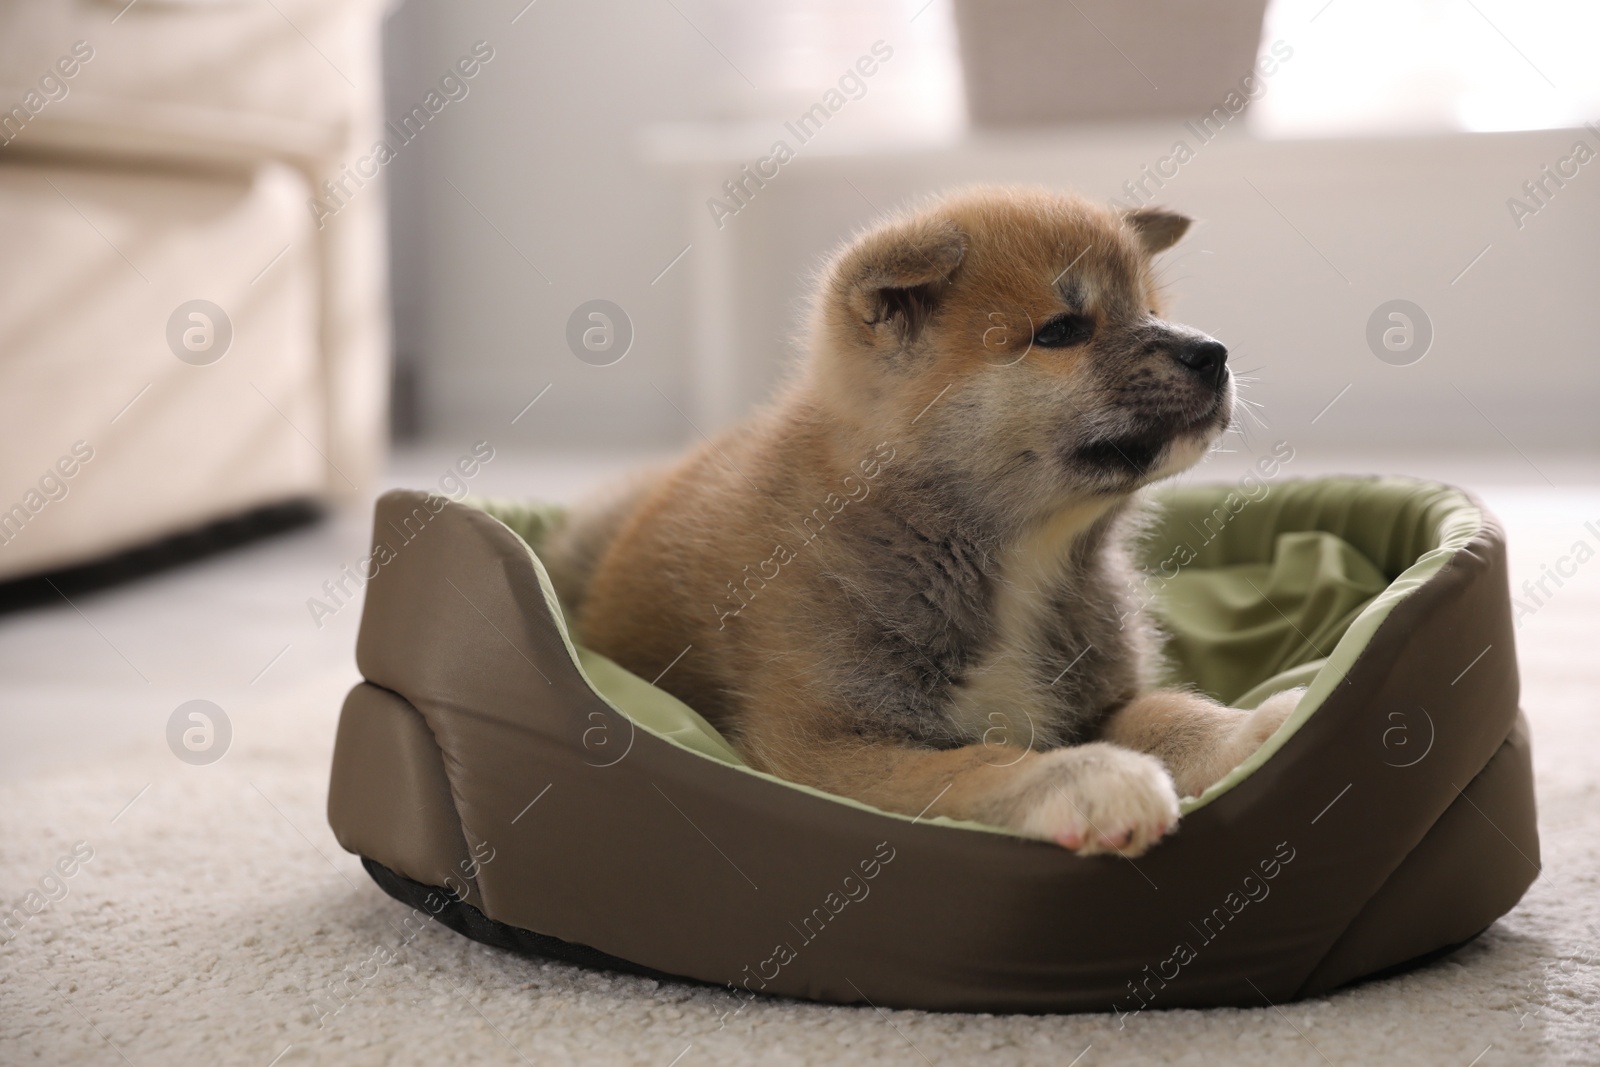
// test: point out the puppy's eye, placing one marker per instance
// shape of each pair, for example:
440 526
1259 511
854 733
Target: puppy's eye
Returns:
1064 331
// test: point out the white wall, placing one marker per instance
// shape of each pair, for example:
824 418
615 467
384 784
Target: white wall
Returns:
544 146
548 145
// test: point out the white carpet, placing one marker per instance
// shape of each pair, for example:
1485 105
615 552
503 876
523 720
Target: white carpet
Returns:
217 902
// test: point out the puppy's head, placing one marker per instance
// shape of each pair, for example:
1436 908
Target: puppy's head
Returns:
1013 341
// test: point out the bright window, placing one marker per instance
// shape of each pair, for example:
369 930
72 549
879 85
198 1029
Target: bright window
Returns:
1406 66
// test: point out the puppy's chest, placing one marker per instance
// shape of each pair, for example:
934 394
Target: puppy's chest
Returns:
966 629
1056 656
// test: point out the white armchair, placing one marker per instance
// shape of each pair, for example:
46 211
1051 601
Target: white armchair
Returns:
157 163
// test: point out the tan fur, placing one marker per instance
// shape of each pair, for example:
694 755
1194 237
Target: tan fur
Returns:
574 546
952 512
1198 739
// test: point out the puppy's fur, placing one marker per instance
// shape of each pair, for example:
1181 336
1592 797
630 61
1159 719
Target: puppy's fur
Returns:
906 581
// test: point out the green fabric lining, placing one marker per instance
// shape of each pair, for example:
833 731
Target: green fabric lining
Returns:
1258 594
655 709
1229 626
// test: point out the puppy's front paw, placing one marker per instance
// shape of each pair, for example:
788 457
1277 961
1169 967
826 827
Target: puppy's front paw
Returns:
1264 721
1100 798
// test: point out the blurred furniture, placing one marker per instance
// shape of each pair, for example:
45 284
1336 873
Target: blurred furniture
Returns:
177 162
1042 62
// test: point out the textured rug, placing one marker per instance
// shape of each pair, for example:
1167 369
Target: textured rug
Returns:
202 913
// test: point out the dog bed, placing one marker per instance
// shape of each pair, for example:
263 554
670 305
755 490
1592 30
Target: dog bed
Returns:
529 793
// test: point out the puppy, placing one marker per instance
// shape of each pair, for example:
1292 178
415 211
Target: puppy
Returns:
907 581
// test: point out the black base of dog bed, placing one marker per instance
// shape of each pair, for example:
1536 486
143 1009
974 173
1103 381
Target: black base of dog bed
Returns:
467 920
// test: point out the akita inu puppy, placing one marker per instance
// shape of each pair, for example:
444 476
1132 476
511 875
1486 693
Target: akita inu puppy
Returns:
907 581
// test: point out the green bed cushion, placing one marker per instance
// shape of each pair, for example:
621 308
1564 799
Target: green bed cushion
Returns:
1259 588
1231 627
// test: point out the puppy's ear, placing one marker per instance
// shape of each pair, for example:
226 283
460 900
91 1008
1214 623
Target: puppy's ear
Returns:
892 280
1157 228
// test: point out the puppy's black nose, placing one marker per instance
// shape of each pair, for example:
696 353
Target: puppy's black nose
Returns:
1207 358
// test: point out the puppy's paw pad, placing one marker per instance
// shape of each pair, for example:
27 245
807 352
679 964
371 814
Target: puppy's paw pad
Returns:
1099 798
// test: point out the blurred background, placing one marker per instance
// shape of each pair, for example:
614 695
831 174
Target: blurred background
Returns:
255 245
1376 161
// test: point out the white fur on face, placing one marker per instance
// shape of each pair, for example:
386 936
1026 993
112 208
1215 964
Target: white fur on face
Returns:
1190 448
